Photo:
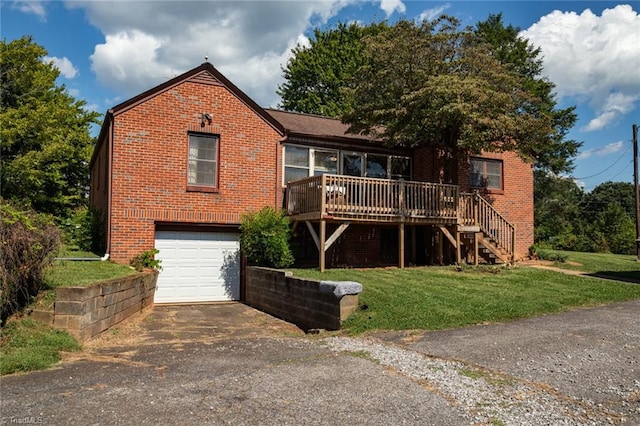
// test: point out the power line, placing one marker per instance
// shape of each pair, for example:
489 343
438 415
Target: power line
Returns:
621 170
602 171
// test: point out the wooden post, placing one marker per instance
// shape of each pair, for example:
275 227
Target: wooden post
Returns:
401 246
440 247
476 210
458 248
475 248
323 238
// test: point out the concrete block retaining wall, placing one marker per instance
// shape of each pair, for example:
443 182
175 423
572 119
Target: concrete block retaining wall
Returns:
87 311
310 304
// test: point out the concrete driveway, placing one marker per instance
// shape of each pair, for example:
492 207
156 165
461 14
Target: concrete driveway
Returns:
230 364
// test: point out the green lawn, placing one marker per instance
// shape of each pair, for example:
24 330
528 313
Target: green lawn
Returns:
433 298
615 265
66 273
29 345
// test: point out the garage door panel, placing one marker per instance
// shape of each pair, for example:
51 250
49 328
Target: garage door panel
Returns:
198 267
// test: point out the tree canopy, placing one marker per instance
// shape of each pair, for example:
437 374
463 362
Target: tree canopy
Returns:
437 84
518 55
46 141
316 75
567 218
434 83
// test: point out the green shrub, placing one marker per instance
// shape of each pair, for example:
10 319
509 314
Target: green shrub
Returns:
84 230
265 238
146 260
29 242
552 256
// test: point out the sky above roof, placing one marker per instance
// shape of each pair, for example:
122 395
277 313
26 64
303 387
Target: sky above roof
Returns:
110 51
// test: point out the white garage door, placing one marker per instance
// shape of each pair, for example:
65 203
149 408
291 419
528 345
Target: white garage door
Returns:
198 266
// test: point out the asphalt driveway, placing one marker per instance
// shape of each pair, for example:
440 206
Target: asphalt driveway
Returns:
230 364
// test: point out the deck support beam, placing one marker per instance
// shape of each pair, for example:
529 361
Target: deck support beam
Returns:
322 243
441 247
336 234
476 249
401 246
321 249
447 234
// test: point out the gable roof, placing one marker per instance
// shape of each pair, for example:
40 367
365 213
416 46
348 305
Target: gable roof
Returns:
315 126
205 73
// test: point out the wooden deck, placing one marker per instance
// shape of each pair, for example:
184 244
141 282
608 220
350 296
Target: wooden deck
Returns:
348 199
359 199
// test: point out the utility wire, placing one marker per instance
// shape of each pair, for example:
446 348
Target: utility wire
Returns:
621 170
602 171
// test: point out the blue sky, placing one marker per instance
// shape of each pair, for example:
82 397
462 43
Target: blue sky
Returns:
109 51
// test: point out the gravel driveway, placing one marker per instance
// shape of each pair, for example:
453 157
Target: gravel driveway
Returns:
229 364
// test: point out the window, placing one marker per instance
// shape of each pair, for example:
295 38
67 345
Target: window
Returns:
352 164
486 173
203 160
400 168
377 166
301 162
296 163
325 162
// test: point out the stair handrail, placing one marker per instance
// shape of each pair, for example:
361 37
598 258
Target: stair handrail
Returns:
493 224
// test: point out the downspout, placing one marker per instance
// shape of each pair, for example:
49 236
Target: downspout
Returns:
110 181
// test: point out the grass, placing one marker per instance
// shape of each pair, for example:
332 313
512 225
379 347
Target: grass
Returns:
434 298
29 345
615 265
69 273
65 273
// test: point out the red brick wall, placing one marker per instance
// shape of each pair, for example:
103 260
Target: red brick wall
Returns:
99 179
515 202
150 146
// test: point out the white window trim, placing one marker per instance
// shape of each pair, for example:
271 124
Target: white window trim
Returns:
340 155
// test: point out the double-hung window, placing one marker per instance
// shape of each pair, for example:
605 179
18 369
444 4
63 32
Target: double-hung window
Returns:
486 173
203 160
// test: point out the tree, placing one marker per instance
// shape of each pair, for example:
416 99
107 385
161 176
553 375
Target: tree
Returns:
46 143
317 74
596 201
434 84
558 215
617 229
518 55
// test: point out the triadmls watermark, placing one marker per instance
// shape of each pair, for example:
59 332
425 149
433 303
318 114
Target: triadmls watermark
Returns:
25 420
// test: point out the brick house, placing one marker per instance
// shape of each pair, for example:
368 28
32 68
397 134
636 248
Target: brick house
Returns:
176 166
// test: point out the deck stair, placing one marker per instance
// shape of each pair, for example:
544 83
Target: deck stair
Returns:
481 223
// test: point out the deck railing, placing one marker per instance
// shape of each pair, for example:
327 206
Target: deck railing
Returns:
372 199
385 200
476 211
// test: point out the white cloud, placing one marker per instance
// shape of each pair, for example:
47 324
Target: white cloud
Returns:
391 6
607 149
595 58
615 106
433 13
34 7
64 65
147 42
